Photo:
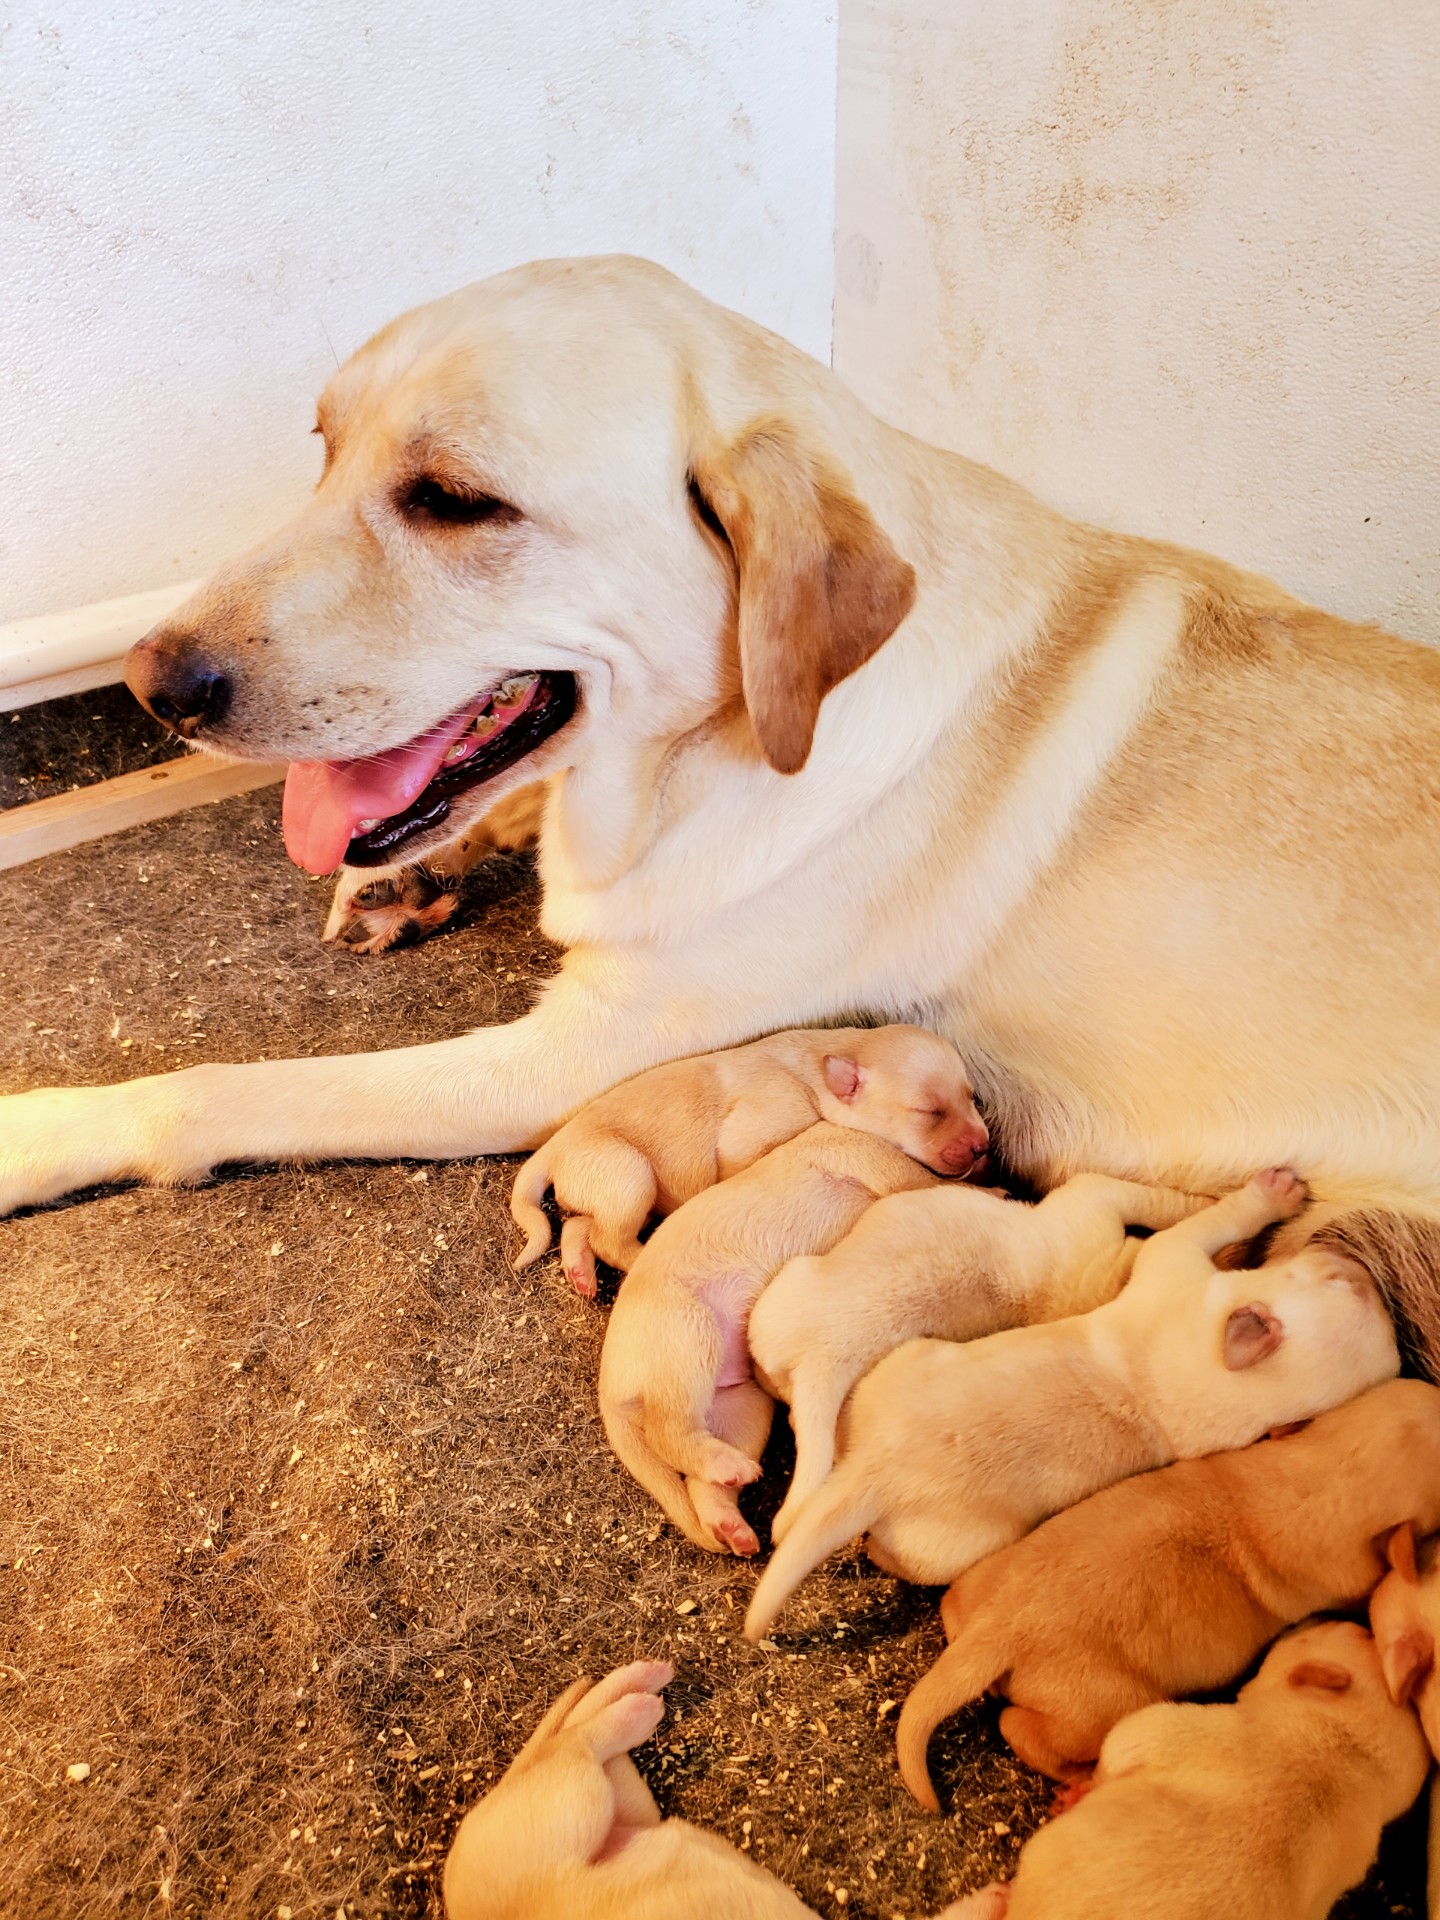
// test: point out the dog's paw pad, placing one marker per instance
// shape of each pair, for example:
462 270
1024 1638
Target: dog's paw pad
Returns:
370 916
741 1539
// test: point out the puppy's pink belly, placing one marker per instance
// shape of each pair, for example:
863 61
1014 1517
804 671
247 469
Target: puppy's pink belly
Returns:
730 1298
735 1367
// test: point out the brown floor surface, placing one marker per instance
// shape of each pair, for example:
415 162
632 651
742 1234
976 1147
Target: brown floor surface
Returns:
305 1511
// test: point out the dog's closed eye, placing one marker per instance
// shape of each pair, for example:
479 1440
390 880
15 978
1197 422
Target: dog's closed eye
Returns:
428 499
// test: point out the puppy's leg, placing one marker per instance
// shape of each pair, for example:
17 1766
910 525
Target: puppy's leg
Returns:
1275 1194
1041 1743
619 1194
373 910
493 1091
1088 1255
1130 1203
576 1256
741 1416
570 1796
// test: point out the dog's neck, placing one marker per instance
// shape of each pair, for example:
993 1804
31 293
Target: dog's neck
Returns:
632 820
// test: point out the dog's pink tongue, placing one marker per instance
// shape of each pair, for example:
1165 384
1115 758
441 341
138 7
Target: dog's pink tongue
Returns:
325 800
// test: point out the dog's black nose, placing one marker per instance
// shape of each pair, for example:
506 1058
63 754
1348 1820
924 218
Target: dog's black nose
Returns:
174 681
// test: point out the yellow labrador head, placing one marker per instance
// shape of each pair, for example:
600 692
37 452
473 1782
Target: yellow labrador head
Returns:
567 516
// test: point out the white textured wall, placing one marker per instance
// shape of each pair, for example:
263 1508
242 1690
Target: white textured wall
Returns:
198 200
1173 263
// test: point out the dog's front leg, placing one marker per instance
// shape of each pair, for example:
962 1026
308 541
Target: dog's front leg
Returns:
496 1090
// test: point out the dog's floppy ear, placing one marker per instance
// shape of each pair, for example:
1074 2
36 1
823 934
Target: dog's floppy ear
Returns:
821 588
1251 1333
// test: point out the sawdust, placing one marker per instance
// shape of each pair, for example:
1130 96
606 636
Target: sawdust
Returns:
305 1509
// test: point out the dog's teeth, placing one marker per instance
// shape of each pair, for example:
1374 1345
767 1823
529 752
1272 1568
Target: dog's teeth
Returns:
457 752
510 692
366 826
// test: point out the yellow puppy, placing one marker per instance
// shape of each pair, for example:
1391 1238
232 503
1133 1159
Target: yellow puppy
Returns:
953 1451
654 1142
679 1399
1265 1810
948 1263
572 1833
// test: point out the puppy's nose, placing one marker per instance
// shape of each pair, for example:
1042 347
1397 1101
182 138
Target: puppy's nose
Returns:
965 1153
171 678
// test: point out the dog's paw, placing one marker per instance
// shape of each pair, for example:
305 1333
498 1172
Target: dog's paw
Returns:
372 913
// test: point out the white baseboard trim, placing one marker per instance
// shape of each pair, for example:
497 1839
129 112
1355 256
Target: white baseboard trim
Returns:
70 652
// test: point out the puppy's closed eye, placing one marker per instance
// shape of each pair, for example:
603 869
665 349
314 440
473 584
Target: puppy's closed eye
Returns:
429 499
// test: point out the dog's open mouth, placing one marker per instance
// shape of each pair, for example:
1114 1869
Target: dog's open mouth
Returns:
365 812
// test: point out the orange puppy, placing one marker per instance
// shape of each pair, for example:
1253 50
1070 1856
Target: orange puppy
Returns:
1171 1583
1265 1810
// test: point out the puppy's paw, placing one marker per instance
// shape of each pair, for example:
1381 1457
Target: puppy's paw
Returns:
1283 1189
739 1536
372 913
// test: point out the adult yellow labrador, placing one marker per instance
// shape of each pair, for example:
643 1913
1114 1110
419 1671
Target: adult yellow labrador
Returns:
834 722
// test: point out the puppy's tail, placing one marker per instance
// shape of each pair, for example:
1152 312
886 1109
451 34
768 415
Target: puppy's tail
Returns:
532 1183
960 1675
833 1514
623 1426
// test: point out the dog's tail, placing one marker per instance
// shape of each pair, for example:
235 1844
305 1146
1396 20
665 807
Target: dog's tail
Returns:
623 1426
532 1183
961 1674
834 1513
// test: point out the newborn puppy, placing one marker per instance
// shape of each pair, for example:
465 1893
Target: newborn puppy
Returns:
952 1263
954 1451
681 1405
571 1831
1171 1583
654 1142
1268 1809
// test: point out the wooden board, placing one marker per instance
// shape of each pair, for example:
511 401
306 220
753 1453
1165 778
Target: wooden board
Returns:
55 686
69 819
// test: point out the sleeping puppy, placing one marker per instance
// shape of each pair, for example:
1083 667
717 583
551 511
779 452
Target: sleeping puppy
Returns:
955 1451
654 1142
571 1831
680 1403
1268 1809
948 1263
1172 1582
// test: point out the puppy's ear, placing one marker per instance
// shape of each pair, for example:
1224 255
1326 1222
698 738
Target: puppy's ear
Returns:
843 1077
1405 1660
1397 1549
1251 1333
821 588
1322 1674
